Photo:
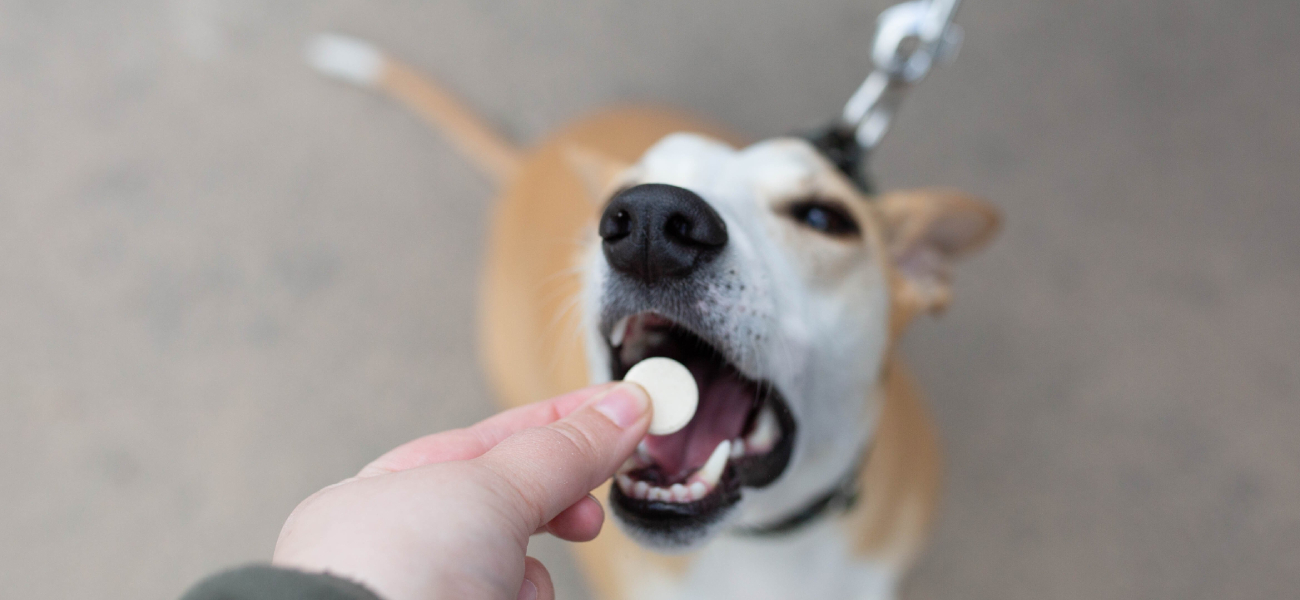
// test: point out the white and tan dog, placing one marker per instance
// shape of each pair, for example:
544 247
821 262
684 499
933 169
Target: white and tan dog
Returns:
811 468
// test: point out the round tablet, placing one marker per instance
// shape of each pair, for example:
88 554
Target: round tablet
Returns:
672 392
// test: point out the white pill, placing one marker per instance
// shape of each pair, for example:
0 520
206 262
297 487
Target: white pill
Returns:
672 392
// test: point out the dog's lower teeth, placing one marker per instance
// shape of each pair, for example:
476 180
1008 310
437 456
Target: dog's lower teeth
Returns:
712 469
677 492
696 487
737 448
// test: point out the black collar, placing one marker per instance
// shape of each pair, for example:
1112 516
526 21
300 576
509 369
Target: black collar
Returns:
839 144
840 498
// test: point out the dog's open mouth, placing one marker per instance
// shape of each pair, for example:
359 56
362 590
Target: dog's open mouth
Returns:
742 434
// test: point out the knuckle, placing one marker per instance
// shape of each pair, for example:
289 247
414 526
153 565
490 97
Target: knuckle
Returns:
527 497
520 498
581 441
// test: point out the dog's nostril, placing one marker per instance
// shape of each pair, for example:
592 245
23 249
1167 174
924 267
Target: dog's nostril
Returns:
678 227
616 226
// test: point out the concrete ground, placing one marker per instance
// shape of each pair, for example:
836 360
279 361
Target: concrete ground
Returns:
226 282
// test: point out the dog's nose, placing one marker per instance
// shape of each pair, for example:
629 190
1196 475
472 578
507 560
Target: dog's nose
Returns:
655 231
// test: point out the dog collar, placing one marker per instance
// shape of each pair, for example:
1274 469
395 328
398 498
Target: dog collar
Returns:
840 498
839 144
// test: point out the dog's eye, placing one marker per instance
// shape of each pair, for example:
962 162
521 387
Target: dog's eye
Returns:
824 217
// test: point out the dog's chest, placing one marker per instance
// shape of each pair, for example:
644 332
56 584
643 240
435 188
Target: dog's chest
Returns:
815 563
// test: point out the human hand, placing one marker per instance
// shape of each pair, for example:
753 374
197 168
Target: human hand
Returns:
449 515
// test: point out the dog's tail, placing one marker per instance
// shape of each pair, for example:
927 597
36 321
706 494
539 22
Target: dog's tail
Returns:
363 64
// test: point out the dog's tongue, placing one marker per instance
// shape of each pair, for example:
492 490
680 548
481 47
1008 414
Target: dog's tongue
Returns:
725 401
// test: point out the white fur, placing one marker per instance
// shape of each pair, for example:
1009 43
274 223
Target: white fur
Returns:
813 319
346 58
815 562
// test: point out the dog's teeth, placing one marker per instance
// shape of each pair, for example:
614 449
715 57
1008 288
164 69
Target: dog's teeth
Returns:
616 334
712 469
765 433
629 465
641 490
680 493
636 347
625 483
631 352
660 494
737 448
698 490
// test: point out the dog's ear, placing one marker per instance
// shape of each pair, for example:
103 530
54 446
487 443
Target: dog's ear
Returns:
596 170
926 230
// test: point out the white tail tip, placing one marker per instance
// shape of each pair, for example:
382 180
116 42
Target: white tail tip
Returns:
346 58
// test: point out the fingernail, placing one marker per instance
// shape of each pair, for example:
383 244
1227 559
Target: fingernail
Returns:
527 591
624 404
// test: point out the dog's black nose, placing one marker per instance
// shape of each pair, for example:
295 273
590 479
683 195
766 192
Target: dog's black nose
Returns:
655 231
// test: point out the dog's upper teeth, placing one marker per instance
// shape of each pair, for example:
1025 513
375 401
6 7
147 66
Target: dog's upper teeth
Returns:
616 334
637 340
765 433
712 469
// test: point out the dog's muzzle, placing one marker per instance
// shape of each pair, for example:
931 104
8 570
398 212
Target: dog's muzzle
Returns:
662 243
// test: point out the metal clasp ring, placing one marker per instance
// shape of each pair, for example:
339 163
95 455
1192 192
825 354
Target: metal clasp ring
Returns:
910 38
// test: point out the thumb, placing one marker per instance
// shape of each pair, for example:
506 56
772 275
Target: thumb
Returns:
544 470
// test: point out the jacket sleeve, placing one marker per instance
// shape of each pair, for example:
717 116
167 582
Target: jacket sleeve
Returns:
264 582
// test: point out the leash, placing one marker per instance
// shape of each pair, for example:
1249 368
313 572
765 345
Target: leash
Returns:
910 38
840 498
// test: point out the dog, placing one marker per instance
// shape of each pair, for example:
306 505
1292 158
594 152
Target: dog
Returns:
811 468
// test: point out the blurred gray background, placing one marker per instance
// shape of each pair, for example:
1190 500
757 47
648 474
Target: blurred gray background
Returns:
226 282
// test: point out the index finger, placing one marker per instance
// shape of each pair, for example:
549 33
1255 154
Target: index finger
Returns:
473 441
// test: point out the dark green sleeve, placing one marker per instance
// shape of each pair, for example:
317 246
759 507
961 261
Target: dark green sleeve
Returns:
262 582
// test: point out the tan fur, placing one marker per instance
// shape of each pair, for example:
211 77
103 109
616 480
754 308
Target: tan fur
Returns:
499 158
899 484
530 340
914 217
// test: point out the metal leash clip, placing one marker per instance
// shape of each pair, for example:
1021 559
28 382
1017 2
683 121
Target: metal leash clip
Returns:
910 38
